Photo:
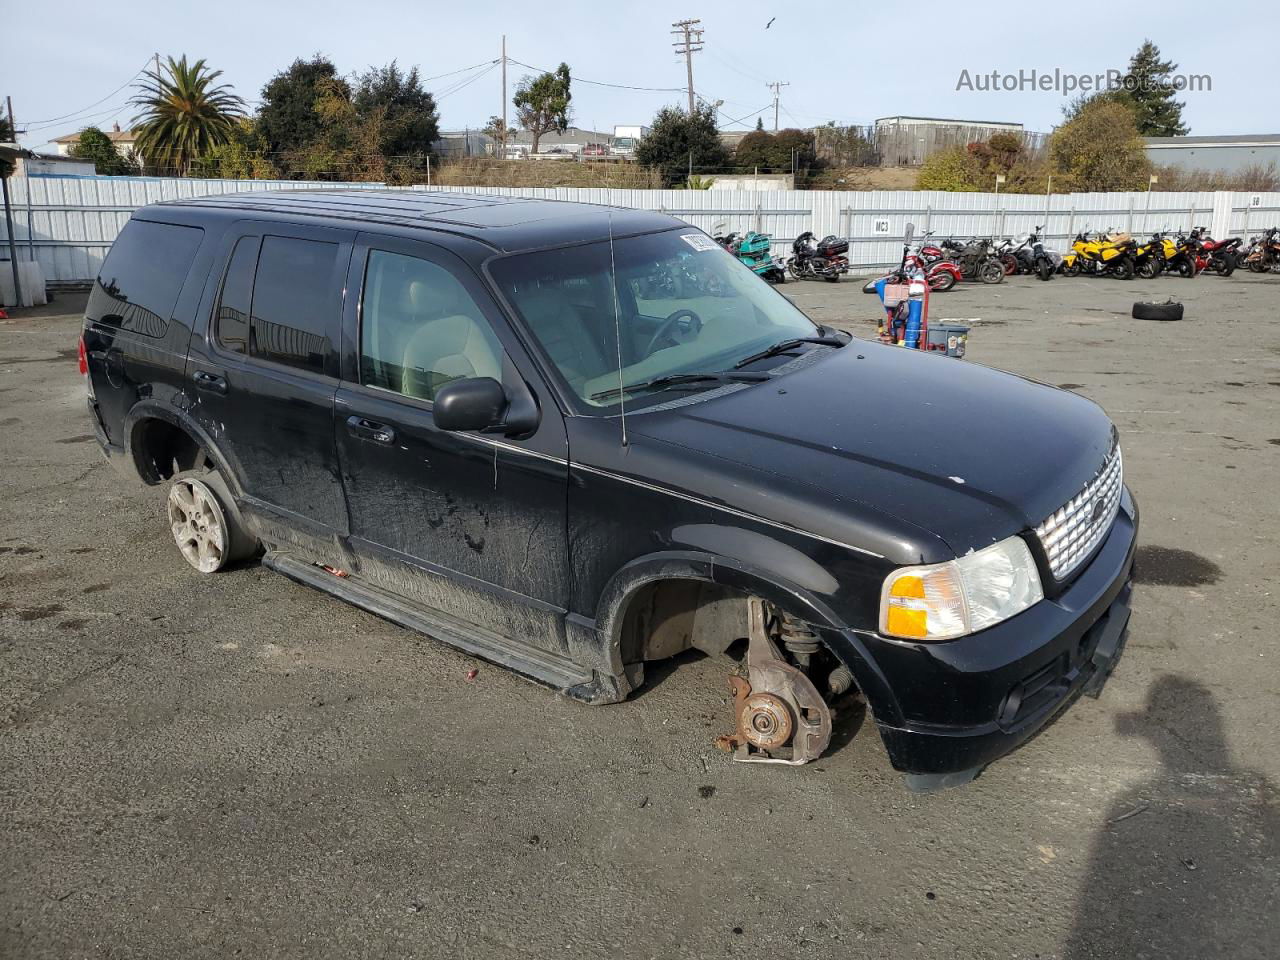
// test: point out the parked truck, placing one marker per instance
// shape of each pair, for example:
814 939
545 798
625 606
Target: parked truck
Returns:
625 139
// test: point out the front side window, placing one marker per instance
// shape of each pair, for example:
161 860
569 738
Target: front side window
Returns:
420 329
681 303
138 285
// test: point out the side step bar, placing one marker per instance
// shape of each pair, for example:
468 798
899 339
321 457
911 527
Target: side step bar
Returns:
538 665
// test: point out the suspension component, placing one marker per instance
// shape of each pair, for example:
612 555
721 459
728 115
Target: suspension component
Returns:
801 642
780 715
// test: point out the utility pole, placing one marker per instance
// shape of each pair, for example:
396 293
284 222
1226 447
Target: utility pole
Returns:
503 138
13 124
690 45
776 87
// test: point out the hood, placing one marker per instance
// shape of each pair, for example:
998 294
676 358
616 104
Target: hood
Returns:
968 454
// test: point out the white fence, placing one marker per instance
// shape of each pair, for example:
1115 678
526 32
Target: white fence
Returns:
68 223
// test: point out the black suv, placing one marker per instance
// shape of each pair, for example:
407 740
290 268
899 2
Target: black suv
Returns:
572 439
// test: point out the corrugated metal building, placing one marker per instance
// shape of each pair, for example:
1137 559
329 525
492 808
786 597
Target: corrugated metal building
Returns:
1229 154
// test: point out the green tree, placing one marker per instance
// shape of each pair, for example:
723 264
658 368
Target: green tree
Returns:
6 128
844 146
96 146
542 103
755 150
678 139
760 123
399 113
242 157
287 118
182 113
1100 150
954 169
1149 87
792 150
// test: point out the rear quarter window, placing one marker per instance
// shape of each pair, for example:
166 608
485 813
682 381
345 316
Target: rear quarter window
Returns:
141 278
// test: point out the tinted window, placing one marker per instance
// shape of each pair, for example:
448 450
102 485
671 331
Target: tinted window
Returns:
681 303
142 276
421 329
237 292
293 302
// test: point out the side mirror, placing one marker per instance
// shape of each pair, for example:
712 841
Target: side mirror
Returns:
477 403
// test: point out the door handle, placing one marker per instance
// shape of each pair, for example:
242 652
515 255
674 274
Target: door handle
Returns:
210 381
370 430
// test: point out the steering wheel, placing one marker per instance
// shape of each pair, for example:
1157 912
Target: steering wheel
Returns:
681 327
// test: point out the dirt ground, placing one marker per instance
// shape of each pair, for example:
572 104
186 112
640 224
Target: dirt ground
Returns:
236 765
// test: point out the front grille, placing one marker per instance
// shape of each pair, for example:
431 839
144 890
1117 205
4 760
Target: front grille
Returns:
1070 534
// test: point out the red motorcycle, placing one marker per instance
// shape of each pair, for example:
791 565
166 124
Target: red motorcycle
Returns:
1216 255
941 272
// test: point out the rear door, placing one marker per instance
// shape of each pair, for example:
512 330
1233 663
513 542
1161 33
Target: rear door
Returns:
266 372
471 525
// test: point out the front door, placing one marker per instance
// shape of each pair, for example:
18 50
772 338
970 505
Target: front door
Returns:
468 524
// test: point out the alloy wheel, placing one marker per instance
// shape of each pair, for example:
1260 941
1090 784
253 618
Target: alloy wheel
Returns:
198 524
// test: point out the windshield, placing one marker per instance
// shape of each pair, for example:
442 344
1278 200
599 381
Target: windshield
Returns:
684 305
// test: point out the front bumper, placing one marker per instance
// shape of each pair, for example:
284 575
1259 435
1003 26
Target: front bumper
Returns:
962 704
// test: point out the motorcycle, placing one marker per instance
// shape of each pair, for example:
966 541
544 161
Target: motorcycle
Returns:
1103 255
1032 257
1149 257
1263 253
755 250
814 259
940 273
975 260
1220 254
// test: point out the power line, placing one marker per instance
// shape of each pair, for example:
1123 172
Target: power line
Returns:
600 83
465 83
691 44
73 113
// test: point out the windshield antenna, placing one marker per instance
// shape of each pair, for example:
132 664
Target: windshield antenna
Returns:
617 329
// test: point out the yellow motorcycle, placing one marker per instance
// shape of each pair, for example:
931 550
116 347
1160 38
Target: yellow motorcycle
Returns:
1105 255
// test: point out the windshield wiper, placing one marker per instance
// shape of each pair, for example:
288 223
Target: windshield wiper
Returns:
785 345
681 379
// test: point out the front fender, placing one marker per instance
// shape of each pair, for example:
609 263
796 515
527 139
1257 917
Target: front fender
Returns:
797 599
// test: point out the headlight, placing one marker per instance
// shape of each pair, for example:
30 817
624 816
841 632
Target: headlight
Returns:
946 600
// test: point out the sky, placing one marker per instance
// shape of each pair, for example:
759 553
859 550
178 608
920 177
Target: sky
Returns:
848 62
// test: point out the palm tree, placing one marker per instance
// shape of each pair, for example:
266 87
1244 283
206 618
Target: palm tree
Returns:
182 113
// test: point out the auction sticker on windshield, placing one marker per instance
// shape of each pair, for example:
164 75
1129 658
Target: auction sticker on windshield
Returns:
699 242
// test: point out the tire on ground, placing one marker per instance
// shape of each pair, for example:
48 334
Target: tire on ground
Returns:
1157 311
241 544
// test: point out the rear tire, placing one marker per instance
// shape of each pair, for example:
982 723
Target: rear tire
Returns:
1124 269
205 523
1010 264
1225 265
991 272
942 281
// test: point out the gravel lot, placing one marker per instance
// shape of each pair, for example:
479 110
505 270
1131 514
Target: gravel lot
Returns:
196 767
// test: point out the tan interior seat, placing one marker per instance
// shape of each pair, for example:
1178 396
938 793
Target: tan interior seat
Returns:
559 328
455 345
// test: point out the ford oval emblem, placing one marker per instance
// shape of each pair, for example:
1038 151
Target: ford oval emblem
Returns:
1099 509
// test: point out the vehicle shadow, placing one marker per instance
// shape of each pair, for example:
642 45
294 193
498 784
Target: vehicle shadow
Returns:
1185 864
